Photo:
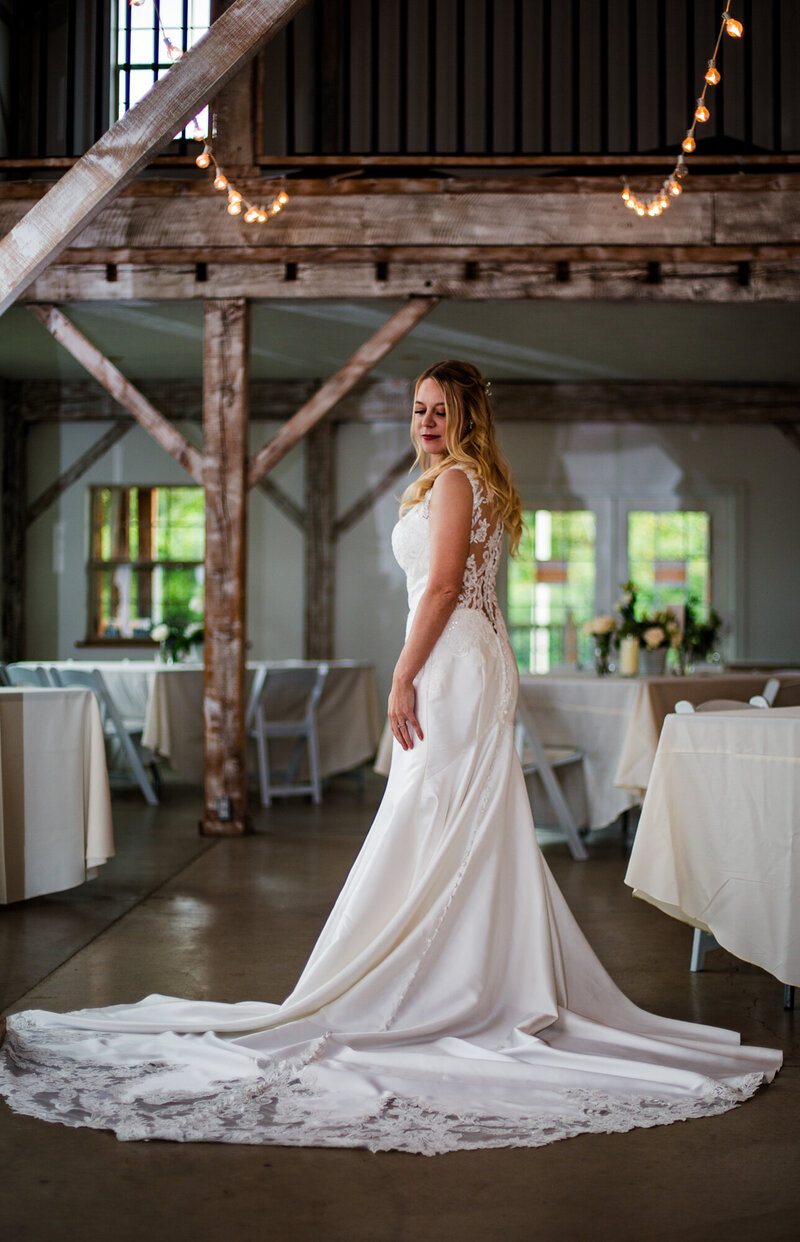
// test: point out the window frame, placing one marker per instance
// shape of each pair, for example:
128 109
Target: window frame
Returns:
95 564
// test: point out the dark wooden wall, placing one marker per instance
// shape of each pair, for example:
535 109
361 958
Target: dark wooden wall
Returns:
449 77
525 77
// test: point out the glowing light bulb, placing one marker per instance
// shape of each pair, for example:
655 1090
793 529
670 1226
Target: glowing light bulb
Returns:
733 27
674 188
630 203
640 209
283 198
688 143
275 208
234 208
250 216
203 160
701 112
713 74
262 217
220 182
234 196
626 194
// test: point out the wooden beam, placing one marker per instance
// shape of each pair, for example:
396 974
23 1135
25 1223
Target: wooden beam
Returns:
387 400
791 431
365 503
115 383
710 282
225 375
13 512
78 468
318 632
283 502
362 361
234 111
115 159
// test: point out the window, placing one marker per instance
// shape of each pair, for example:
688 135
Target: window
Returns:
151 36
551 588
669 558
146 559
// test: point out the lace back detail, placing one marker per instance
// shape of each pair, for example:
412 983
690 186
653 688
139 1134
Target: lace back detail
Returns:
485 542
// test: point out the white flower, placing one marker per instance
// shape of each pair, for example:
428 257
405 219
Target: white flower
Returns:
193 630
654 637
159 633
600 625
627 598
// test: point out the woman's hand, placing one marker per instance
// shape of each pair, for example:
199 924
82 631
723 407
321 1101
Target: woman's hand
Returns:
402 711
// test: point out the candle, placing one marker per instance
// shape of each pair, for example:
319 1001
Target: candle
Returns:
629 655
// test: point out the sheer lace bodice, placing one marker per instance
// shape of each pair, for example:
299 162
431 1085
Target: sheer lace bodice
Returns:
411 546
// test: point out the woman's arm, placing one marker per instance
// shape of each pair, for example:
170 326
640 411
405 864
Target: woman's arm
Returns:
450 518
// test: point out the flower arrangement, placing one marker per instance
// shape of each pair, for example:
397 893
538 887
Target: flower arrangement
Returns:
602 629
680 630
176 641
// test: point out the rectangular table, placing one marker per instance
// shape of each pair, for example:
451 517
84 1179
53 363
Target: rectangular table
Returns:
55 808
615 722
717 842
348 716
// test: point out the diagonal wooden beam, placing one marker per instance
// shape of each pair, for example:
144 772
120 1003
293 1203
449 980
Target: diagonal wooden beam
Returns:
283 502
326 397
365 502
791 431
113 161
79 467
114 382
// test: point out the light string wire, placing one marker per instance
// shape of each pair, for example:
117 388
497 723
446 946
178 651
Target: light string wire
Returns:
671 187
238 202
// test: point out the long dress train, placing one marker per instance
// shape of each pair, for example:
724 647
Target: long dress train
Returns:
451 1001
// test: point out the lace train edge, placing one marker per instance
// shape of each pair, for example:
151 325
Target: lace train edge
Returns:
283 1108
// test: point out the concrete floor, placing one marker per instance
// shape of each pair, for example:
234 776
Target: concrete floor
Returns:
235 920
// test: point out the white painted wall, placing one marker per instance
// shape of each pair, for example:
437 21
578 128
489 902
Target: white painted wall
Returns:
751 475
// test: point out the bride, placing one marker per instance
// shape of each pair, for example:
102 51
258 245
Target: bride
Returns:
451 1001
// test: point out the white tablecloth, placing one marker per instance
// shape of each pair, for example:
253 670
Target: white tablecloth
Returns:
615 722
348 717
718 839
55 809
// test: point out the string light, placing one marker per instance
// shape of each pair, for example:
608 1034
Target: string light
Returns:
671 187
238 203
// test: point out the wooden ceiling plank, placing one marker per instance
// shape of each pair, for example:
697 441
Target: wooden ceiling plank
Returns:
89 356
100 174
362 361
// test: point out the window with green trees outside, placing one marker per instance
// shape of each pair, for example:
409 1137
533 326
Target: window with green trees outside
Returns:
669 559
147 546
551 589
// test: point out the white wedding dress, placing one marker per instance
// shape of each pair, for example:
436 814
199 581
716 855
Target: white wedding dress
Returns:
451 1001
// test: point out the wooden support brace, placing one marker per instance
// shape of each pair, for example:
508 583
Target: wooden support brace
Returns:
115 383
365 503
362 361
225 409
97 178
283 502
78 468
318 634
791 431
14 502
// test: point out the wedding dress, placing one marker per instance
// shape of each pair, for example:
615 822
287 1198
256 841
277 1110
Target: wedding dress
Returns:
451 1001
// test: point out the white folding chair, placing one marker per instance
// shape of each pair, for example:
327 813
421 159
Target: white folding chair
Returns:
275 693
684 708
544 760
127 734
20 675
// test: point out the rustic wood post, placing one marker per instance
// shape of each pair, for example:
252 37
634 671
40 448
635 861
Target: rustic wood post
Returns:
225 419
320 541
234 111
14 523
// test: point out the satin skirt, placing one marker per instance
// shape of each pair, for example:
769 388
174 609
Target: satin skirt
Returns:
451 1001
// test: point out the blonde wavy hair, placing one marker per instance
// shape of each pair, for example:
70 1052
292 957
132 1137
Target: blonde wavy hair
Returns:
470 440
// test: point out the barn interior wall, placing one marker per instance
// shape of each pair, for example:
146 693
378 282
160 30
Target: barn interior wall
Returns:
575 464
5 78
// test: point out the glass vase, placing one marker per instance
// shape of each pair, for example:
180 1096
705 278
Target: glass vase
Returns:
602 655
